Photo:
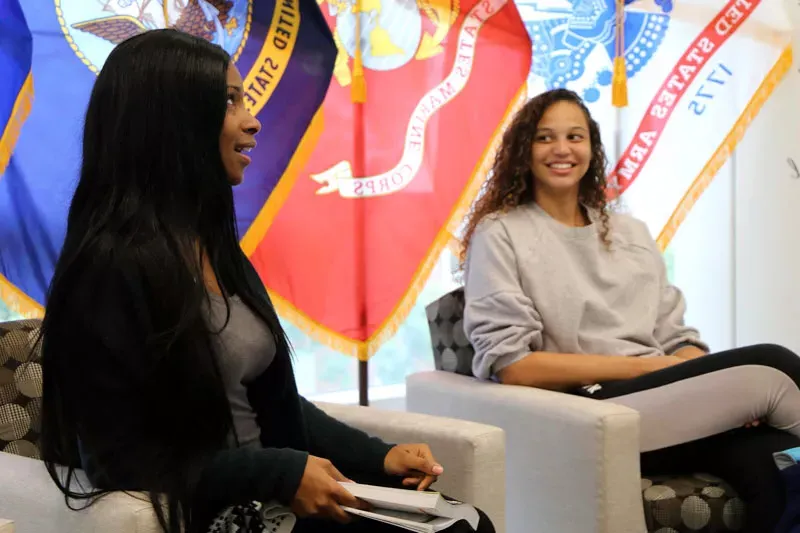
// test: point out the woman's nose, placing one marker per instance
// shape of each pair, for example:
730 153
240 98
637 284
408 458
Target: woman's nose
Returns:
561 147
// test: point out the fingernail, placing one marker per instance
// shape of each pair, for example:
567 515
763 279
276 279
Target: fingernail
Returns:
437 469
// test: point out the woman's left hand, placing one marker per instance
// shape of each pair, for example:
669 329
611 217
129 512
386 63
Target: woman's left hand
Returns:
689 352
415 463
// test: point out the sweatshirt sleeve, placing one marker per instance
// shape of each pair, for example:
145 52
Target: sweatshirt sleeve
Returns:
670 331
500 320
240 475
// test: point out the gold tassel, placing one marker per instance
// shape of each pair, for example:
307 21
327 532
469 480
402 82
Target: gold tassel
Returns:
619 80
358 89
619 85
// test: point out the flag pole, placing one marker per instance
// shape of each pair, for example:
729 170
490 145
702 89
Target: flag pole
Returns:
358 95
619 84
619 81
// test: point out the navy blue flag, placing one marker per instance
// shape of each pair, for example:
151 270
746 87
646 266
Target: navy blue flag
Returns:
284 50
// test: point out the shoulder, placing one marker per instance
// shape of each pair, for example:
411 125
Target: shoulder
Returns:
111 272
506 224
627 229
499 239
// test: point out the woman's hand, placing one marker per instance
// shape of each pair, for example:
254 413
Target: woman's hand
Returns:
320 493
415 463
689 352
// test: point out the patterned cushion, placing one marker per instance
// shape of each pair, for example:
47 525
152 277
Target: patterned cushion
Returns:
697 503
20 388
452 351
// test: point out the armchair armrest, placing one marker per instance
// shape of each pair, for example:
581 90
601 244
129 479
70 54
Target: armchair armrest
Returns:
573 462
472 454
29 497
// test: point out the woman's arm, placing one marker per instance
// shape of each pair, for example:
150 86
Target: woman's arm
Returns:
507 332
564 371
500 319
350 450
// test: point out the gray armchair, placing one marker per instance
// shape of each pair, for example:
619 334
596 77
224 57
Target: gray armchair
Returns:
573 462
471 453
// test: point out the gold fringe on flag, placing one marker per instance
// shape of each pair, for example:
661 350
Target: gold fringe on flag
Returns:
19 113
619 82
18 302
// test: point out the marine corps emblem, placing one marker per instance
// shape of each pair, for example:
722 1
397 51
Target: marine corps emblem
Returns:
392 34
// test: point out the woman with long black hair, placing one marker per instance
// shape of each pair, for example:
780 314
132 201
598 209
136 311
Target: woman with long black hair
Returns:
166 369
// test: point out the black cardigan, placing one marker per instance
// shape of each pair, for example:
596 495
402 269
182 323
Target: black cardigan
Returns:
288 435
98 358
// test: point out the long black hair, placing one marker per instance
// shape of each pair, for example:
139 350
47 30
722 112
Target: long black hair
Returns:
152 204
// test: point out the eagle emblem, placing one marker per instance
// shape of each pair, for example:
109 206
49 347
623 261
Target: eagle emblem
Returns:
574 41
94 28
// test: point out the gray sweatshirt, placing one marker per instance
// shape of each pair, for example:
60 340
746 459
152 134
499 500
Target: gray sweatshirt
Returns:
534 284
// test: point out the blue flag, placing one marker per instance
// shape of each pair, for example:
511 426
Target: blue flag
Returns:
283 48
16 94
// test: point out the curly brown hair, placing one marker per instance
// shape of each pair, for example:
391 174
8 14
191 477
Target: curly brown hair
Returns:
510 182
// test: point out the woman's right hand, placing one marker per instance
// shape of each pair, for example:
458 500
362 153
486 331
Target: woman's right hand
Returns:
320 494
654 364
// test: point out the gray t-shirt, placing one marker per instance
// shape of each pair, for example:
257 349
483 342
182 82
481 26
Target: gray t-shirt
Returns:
245 349
534 284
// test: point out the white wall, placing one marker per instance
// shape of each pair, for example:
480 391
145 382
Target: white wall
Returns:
737 255
767 206
702 253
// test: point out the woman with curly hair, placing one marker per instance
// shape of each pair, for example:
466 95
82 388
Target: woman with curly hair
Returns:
563 294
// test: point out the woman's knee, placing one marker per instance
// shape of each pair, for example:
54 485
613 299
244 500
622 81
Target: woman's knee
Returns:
767 355
778 357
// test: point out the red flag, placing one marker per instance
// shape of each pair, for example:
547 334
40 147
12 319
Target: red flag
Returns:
348 237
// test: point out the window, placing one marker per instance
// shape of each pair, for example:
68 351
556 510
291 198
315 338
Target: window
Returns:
323 373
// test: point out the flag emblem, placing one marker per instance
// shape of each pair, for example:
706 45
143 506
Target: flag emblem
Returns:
390 45
93 29
573 41
392 34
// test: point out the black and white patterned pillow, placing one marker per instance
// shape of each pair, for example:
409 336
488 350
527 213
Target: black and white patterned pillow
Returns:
452 351
20 388
698 503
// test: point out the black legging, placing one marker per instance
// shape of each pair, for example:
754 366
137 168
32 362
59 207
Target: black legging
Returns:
692 418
